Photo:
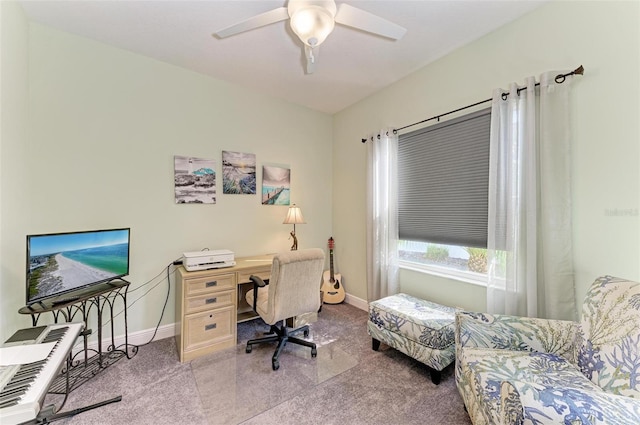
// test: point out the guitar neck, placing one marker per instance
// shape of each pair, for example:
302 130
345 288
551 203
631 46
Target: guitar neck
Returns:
331 265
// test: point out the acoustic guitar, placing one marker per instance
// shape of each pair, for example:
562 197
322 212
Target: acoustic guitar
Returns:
331 282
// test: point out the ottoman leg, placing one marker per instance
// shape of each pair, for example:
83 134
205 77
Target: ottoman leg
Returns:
436 375
375 344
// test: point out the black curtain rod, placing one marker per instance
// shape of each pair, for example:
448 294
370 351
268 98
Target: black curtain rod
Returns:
559 79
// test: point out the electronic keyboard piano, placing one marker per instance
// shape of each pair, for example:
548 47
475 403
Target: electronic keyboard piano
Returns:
23 387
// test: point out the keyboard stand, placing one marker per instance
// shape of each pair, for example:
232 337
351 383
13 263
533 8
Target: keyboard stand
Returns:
99 302
48 415
50 412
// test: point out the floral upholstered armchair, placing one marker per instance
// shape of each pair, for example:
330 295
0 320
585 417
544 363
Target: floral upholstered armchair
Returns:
518 370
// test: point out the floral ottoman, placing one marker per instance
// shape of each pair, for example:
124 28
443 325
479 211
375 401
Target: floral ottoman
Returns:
420 329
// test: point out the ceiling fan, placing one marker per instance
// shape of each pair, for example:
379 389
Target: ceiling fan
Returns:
313 20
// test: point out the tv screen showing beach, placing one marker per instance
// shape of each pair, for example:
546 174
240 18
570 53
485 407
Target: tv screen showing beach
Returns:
62 262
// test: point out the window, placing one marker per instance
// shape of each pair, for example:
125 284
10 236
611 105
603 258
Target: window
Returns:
469 263
443 179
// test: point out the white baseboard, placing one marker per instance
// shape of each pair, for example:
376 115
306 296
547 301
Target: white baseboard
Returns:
142 337
357 302
168 331
135 338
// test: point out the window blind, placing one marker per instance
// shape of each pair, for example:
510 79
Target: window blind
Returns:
443 178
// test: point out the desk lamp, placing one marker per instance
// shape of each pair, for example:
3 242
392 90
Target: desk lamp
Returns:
294 216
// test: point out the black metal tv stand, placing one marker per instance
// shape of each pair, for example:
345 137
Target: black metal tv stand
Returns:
87 363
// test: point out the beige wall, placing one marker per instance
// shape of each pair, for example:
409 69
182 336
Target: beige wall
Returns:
103 127
88 134
13 137
605 108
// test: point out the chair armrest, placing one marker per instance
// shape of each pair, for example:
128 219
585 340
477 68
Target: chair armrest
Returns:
257 283
523 402
517 333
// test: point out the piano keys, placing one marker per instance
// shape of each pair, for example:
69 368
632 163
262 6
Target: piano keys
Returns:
23 387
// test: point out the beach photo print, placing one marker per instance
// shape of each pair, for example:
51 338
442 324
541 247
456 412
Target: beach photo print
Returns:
238 173
194 180
276 181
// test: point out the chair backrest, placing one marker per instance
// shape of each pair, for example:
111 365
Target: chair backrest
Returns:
294 285
610 331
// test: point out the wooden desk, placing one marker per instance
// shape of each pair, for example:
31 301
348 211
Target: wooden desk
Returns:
209 304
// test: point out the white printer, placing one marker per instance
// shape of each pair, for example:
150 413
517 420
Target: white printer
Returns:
204 260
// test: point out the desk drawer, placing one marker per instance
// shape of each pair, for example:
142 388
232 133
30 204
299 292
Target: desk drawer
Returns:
264 274
207 284
209 301
207 328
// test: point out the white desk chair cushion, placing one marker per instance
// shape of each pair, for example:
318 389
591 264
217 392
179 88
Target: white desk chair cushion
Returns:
294 286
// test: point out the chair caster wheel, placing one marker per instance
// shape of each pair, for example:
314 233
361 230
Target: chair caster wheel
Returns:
275 365
314 352
248 349
306 333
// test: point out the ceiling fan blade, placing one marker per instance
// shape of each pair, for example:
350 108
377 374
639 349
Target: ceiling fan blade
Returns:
270 17
312 58
365 21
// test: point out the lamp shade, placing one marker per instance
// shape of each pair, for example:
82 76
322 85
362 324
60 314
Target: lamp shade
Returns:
294 216
312 24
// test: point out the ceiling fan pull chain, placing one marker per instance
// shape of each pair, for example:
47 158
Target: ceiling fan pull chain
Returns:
310 55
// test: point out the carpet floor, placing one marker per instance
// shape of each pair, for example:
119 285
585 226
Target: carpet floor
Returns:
347 383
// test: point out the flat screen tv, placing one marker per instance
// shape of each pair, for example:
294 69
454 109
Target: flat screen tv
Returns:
59 263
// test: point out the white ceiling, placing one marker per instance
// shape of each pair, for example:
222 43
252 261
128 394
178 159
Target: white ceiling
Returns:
351 65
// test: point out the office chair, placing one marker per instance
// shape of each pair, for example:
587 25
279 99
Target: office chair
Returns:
292 290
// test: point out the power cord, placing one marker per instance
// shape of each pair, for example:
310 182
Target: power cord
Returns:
174 263
163 307
148 282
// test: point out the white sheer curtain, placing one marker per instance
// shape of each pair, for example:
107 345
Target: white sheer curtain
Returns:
529 240
382 215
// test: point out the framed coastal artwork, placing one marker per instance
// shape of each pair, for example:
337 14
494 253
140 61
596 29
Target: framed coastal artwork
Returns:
238 173
194 180
276 181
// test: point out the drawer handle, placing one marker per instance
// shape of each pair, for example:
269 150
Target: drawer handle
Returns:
209 327
211 300
212 283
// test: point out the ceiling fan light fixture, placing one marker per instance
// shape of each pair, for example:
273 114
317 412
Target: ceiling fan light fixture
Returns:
312 24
